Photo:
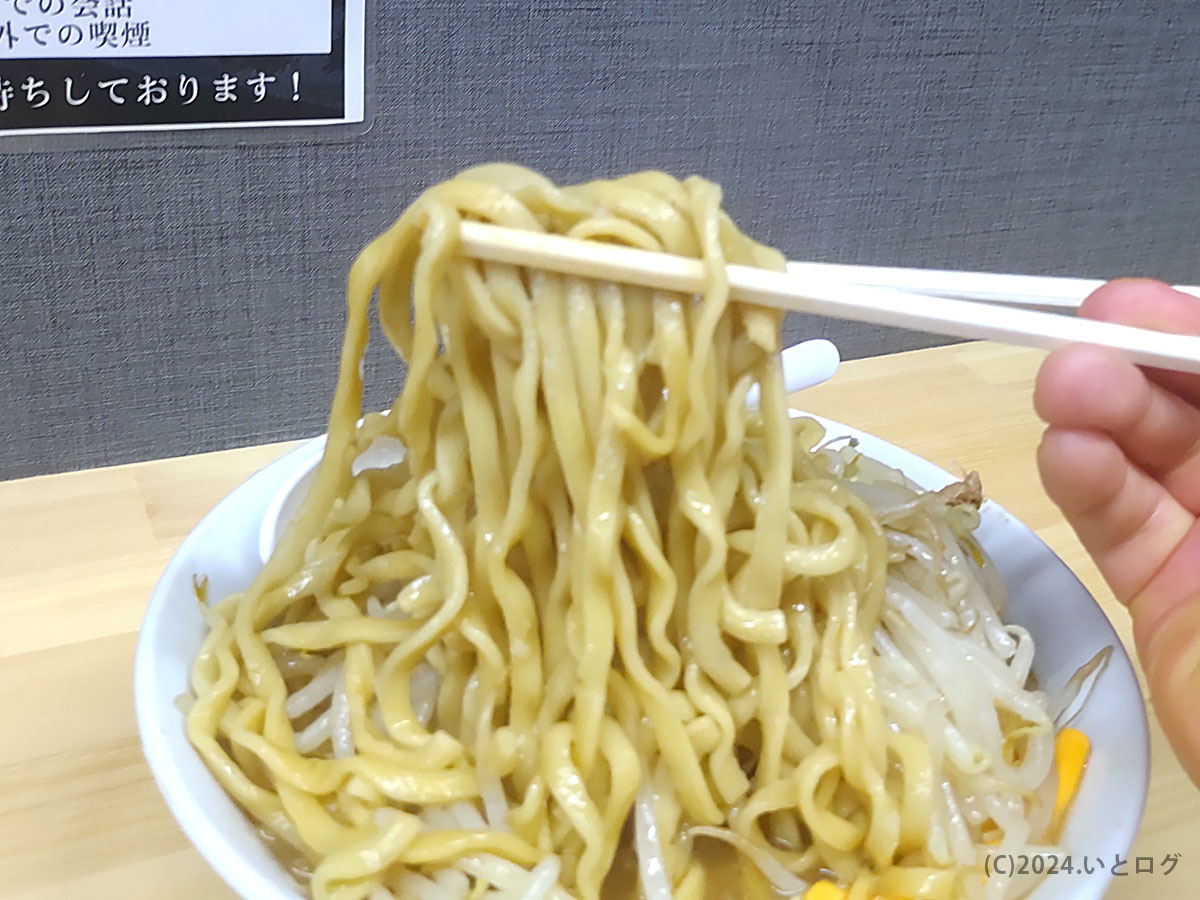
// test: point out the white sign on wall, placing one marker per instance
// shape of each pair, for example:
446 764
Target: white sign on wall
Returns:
119 65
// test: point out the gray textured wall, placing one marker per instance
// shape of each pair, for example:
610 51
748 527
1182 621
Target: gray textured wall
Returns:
167 300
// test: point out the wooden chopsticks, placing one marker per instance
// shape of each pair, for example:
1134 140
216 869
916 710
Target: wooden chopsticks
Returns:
816 289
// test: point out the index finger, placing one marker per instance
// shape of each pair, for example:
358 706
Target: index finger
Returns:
1148 303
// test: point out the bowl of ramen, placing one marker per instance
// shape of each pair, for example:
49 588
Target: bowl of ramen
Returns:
588 614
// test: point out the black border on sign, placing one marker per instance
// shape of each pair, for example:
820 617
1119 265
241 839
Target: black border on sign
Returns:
204 122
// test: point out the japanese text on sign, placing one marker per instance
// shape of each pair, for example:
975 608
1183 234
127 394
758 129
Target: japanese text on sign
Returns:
148 91
96 65
75 29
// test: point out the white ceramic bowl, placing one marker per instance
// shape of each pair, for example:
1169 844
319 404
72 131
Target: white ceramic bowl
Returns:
1045 597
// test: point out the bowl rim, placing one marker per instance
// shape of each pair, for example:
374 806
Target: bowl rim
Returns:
272 484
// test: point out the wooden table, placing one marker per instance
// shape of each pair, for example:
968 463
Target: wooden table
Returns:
80 816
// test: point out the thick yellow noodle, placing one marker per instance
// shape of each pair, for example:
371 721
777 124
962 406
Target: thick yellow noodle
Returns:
619 579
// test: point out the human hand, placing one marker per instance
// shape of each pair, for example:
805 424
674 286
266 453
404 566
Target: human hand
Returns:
1121 458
